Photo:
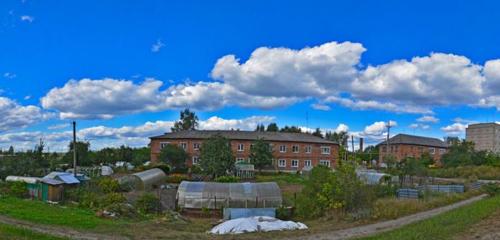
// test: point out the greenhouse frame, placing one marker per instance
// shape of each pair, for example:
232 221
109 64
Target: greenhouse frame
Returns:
146 180
213 195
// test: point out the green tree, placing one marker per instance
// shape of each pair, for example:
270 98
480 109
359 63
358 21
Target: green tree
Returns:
261 154
82 154
216 156
175 156
272 127
292 129
260 128
317 133
459 154
188 121
141 156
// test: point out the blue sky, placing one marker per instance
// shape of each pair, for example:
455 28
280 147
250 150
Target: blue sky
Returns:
123 69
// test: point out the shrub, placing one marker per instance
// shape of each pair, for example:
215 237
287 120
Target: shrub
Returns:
122 210
108 185
110 199
164 167
491 188
177 178
227 179
18 189
89 200
147 203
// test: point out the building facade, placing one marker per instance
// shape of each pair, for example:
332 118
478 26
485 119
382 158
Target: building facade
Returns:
291 151
403 145
485 136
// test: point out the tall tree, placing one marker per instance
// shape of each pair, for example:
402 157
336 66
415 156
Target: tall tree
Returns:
260 128
317 133
188 121
216 156
82 154
261 154
292 129
175 156
272 127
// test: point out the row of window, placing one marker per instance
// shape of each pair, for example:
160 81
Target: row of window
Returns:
421 149
241 148
281 162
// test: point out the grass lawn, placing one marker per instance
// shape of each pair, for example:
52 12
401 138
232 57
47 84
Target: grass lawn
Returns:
10 232
40 212
446 225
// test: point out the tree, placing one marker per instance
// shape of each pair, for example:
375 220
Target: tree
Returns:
338 137
459 154
216 156
292 129
188 121
82 154
260 128
317 133
175 156
11 150
272 127
141 156
261 154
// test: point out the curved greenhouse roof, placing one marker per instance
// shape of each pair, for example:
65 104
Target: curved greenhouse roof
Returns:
213 195
145 180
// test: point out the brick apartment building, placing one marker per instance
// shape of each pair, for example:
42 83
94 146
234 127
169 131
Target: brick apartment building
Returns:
291 151
403 145
485 136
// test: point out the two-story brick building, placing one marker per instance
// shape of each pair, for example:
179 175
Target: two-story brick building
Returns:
403 145
291 151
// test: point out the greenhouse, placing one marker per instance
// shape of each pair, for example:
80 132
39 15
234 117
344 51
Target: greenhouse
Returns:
212 195
145 180
373 178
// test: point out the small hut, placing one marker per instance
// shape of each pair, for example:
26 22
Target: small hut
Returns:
44 189
214 195
245 170
146 180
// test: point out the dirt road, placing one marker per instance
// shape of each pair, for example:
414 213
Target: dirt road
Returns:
58 230
375 228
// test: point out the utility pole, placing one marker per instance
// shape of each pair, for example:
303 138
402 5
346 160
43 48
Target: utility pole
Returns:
388 125
74 148
353 153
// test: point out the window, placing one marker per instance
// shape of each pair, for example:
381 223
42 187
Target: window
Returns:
307 163
432 150
295 148
240 160
295 163
325 162
196 160
196 146
241 147
325 150
282 148
384 149
183 145
442 151
163 144
282 163
308 149
421 149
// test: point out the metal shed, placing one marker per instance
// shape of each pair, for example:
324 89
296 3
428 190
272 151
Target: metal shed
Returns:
213 195
145 180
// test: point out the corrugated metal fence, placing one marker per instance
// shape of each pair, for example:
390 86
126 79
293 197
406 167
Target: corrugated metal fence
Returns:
407 193
443 188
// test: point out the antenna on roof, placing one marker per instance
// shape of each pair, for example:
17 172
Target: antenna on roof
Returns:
307 119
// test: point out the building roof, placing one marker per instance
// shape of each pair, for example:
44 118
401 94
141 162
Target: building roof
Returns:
67 178
489 124
415 140
245 135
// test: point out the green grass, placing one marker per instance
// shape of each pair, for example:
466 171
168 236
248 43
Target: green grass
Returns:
446 225
17 233
43 213
280 178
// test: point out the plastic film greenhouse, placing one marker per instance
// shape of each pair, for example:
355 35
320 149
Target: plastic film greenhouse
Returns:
212 195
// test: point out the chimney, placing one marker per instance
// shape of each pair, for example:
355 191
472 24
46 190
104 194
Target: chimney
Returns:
361 144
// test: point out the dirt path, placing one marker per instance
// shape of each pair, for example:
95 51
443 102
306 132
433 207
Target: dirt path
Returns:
375 228
57 231
487 229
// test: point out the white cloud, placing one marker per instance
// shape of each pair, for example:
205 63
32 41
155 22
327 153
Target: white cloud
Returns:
454 129
462 120
428 118
321 107
27 18
419 125
13 115
342 128
157 46
374 105
376 131
250 123
58 126
283 72
9 75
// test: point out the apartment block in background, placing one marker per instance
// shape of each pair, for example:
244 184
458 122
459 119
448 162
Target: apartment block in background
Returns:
404 145
485 136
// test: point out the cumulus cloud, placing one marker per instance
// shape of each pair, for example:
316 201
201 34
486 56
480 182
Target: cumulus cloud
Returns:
134 136
376 131
420 126
13 115
374 105
321 107
157 46
428 118
9 75
454 129
27 18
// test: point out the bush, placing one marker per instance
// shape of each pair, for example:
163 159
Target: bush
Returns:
108 185
122 210
164 167
89 200
147 203
110 199
227 179
177 178
491 188
18 189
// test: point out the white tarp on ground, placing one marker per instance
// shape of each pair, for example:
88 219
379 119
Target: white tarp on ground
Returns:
255 224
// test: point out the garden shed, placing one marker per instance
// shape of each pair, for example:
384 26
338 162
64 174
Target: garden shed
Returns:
45 189
64 177
145 180
213 195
